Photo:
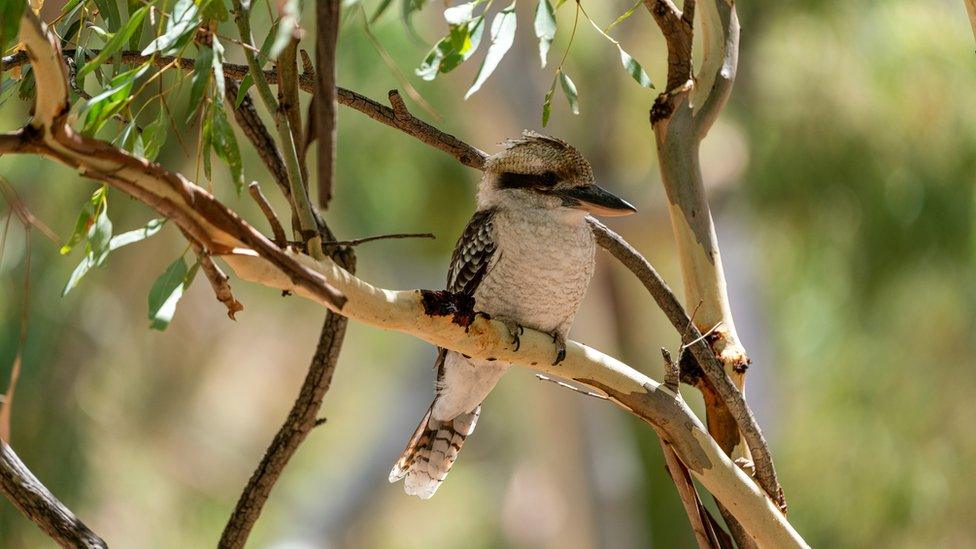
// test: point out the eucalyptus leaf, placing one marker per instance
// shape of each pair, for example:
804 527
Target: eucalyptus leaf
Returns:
634 69
452 50
547 104
290 14
179 29
109 11
225 145
167 291
545 28
117 42
569 88
502 37
136 235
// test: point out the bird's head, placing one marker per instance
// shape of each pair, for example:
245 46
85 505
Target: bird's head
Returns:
538 171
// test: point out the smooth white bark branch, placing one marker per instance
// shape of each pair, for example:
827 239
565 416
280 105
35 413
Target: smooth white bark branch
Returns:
436 317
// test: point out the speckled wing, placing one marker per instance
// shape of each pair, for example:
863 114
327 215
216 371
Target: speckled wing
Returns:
472 254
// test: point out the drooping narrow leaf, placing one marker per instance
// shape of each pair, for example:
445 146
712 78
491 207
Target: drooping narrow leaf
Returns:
634 69
200 81
166 293
545 28
569 88
133 6
225 145
547 104
85 219
502 37
117 42
110 12
624 16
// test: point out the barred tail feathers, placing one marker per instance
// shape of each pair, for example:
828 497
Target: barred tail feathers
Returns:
431 452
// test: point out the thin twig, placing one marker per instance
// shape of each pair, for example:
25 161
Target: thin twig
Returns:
279 232
573 388
358 241
219 281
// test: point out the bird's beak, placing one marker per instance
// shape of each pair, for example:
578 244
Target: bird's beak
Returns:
597 200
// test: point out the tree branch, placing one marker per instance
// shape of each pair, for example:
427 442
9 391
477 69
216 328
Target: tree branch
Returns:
326 36
37 503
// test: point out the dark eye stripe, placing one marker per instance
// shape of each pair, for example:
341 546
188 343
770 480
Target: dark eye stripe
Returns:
511 180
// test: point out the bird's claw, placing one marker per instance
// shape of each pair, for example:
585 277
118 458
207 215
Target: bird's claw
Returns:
515 330
560 341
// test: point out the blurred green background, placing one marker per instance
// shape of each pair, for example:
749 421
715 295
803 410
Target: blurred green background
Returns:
842 180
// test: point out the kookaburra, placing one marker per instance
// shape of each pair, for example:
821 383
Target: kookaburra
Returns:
527 257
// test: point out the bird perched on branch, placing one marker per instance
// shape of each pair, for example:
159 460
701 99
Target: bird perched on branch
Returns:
527 257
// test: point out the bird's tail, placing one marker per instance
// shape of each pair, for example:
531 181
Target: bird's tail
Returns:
431 452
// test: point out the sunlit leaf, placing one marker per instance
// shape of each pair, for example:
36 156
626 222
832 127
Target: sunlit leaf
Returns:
154 135
502 36
460 14
634 69
136 235
545 28
117 42
112 100
287 25
179 29
569 88
85 219
452 50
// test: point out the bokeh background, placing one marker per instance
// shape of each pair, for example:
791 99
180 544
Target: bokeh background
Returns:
842 181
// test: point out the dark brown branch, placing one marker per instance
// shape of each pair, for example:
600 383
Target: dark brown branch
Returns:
276 229
326 36
678 32
37 503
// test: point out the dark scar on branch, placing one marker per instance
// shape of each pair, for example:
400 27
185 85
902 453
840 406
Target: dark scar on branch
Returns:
445 303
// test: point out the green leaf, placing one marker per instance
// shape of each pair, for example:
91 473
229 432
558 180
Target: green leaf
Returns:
154 135
218 71
10 13
569 88
133 6
112 100
215 10
179 29
85 219
167 291
109 11
246 83
202 69
545 28
117 42
136 235
624 16
452 50
290 14
634 69
502 36
547 104
225 145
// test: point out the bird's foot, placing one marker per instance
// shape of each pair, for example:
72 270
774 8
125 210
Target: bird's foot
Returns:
560 341
514 329
477 314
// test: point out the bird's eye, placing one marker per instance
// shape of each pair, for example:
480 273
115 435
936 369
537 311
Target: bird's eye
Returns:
548 179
